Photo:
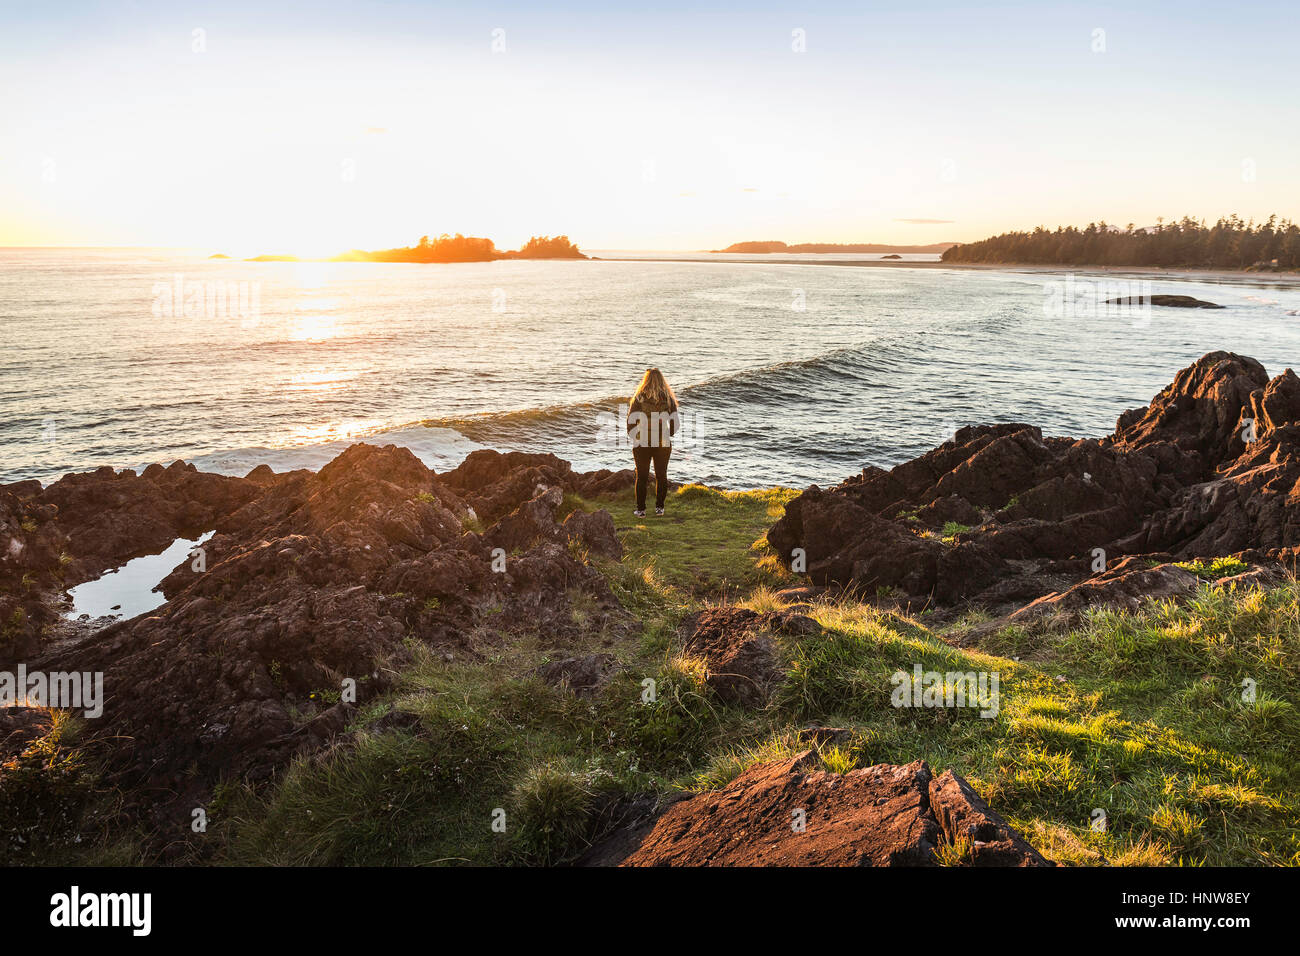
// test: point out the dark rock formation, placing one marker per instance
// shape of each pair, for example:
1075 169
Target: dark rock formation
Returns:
110 517
1211 467
494 483
788 813
311 580
1173 301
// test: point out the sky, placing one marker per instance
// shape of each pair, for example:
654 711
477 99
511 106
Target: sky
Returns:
310 128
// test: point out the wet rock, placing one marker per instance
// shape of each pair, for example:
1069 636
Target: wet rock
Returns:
110 517
1170 301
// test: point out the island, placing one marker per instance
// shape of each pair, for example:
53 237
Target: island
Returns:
447 248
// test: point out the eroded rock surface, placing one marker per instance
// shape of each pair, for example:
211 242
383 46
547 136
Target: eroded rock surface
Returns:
1000 515
788 813
310 579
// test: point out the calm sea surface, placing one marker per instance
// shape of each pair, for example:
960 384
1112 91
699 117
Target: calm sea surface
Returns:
788 373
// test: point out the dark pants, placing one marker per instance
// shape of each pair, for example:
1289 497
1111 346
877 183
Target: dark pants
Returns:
642 457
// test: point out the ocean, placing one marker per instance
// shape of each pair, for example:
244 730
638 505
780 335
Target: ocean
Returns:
788 373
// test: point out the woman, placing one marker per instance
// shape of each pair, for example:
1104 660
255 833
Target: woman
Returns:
651 424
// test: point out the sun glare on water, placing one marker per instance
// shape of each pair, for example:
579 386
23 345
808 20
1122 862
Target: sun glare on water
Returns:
314 328
319 381
329 431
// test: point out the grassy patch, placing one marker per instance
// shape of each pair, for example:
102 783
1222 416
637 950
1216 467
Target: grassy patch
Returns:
951 529
709 543
1214 568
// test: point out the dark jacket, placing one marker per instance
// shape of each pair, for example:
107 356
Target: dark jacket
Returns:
652 424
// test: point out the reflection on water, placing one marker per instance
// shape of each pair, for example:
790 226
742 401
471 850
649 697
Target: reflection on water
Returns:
129 590
318 381
328 432
314 328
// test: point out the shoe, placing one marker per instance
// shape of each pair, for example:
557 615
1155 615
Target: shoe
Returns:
639 514
659 512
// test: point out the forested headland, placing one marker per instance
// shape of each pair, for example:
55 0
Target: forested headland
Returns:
1230 243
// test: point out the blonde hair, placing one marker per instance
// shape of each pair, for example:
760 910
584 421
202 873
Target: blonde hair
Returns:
654 389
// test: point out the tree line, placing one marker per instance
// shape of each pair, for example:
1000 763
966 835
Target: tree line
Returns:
1230 243
458 248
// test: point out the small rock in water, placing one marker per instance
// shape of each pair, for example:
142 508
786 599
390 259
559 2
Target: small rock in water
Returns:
1173 301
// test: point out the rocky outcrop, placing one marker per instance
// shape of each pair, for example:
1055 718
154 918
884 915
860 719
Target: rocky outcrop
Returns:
1194 424
494 483
1001 515
84 524
790 813
31 569
110 517
313 587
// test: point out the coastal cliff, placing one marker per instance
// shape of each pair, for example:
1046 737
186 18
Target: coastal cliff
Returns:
507 636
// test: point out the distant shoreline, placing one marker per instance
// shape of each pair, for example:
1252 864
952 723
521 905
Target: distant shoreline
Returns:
775 247
981 267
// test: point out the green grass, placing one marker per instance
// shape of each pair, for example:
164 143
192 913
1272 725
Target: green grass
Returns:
1179 722
54 811
951 529
709 543
1214 568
